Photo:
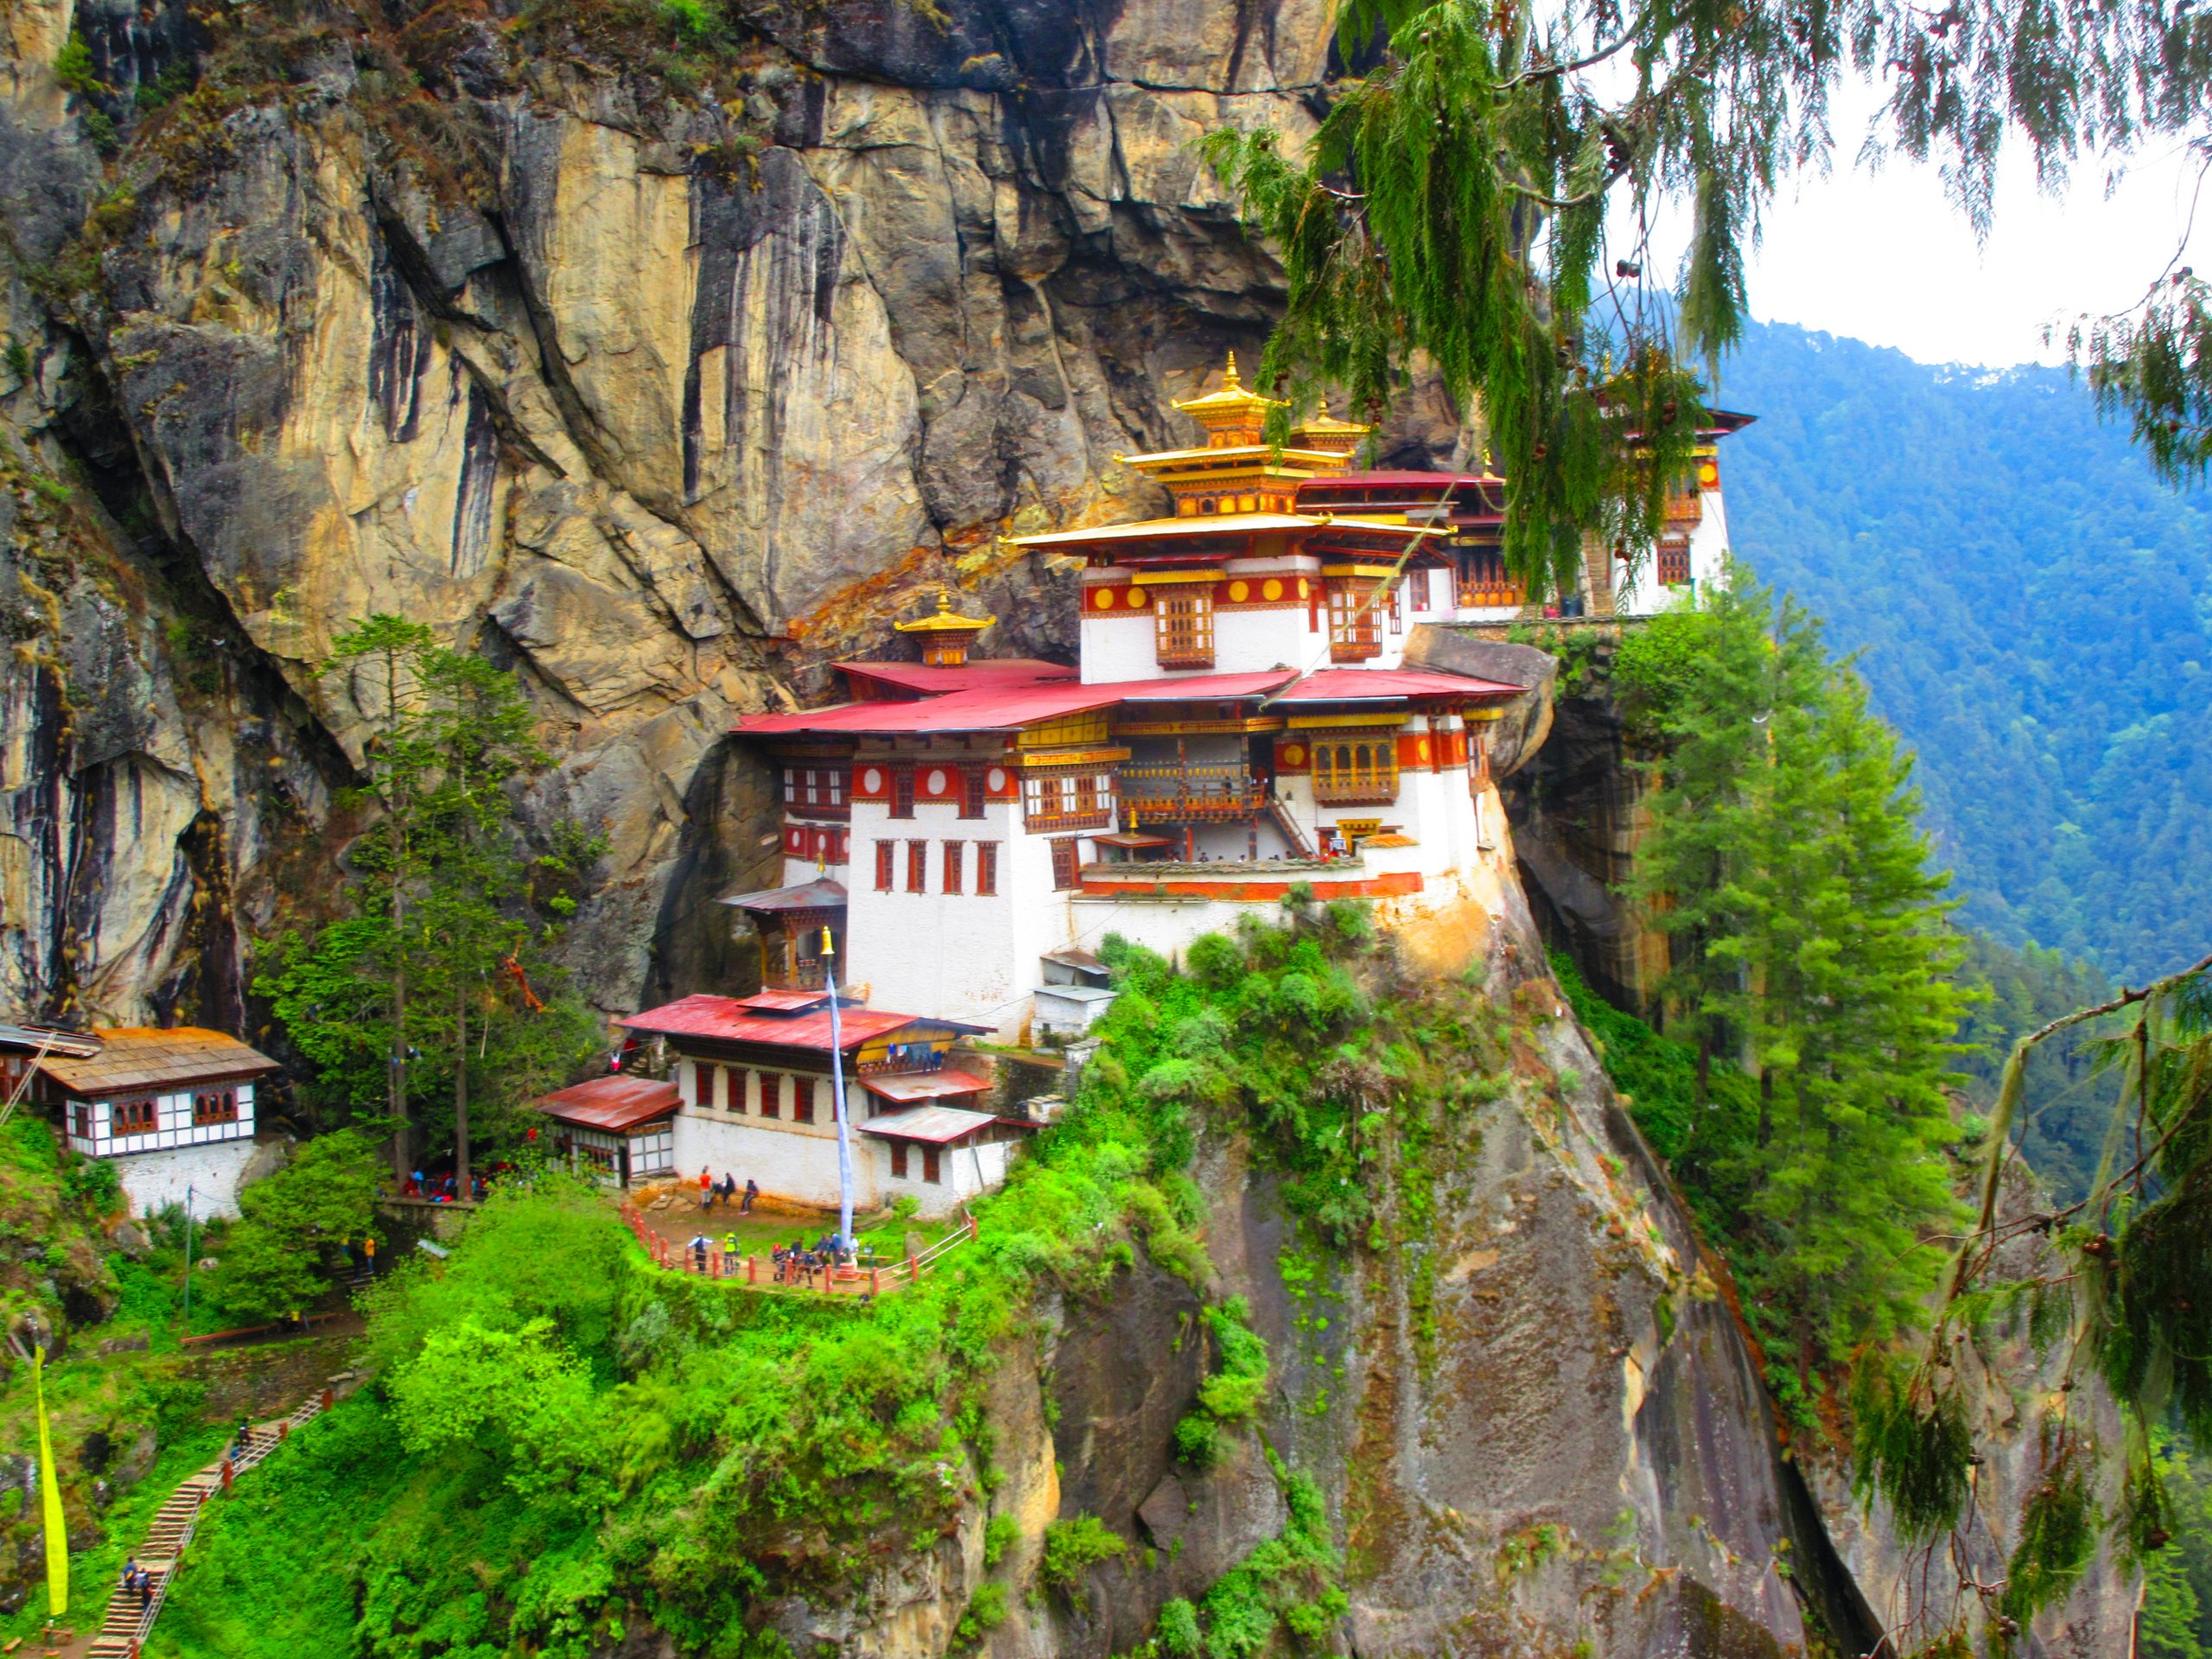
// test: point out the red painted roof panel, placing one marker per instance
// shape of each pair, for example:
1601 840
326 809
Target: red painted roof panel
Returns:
1007 708
614 1104
969 677
726 1020
1384 684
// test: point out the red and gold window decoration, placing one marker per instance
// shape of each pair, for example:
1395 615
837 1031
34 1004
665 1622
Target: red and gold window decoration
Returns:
1350 770
1355 606
1674 561
1069 799
824 844
133 1117
1183 626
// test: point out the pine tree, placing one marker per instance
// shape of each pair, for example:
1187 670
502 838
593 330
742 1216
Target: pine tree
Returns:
1810 945
438 995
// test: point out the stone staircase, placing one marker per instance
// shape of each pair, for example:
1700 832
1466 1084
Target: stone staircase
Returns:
122 1632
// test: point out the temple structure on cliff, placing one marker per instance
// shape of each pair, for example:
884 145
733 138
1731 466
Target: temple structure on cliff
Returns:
959 834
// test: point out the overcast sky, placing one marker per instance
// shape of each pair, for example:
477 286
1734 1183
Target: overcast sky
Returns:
1883 257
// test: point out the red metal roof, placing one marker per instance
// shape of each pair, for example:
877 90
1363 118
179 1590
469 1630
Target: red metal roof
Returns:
614 1104
911 1086
783 1002
1334 482
726 1020
969 677
1385 684
1007 708
1201 688
821 893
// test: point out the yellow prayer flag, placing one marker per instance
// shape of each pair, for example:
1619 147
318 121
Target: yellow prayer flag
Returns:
49 1491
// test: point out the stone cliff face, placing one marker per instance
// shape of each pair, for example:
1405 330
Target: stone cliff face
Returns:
665 371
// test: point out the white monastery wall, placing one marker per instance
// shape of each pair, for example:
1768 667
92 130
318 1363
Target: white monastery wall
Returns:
796 1161
213 1171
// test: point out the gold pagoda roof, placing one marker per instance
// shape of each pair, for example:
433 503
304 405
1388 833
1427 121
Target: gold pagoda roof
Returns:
1229 403
1324 433
1229 523
946 619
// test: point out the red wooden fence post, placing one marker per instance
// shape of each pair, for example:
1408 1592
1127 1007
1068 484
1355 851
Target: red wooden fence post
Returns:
873 1288
226 1474
752 1269
284 1430
913 1267
329 1399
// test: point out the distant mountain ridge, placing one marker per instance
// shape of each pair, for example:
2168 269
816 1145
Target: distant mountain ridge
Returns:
2034 614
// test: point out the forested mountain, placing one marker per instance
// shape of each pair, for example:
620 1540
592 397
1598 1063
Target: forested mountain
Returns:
2035 611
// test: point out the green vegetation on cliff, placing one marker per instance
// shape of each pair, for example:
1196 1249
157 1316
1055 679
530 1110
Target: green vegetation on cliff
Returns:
1809 945
563 1440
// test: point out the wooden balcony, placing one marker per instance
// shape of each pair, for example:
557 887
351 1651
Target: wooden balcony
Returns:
1169 793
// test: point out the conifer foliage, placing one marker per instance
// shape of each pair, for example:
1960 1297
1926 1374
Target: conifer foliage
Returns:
437 989
1809 939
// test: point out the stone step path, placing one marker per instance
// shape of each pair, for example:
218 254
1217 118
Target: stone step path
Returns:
124 1631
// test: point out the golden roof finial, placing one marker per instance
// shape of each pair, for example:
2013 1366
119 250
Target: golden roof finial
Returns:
1229 376
946 620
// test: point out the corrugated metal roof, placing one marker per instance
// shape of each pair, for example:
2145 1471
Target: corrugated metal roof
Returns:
821 893
1200 688
77 1045
726 1020
969 677
614 1104
934 1125
137 1057
1390 684
995 708
924 1085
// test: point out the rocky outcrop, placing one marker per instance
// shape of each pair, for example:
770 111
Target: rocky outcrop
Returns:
664 370
1576 802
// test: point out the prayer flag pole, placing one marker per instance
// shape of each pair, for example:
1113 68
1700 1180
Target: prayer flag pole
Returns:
837 1093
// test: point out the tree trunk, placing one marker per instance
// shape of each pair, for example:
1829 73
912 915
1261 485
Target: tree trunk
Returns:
1766 1107
401 1150
461 1185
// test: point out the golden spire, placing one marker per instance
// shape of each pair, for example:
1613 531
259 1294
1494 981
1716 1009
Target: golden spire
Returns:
946 633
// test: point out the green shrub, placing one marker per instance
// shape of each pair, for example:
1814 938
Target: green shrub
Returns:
986 1612
999 1537
1179 1629
1198 1440
1072 1548
73 67
1234 1392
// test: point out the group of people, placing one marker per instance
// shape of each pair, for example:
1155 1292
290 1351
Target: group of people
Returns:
138 1581
798 1261
711 1189
444 1188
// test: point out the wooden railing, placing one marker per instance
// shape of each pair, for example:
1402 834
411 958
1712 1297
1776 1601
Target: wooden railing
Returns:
752 1269
122 1632
1173 793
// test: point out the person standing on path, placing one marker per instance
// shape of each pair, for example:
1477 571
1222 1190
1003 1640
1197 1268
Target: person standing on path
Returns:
752 1192
706 1187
